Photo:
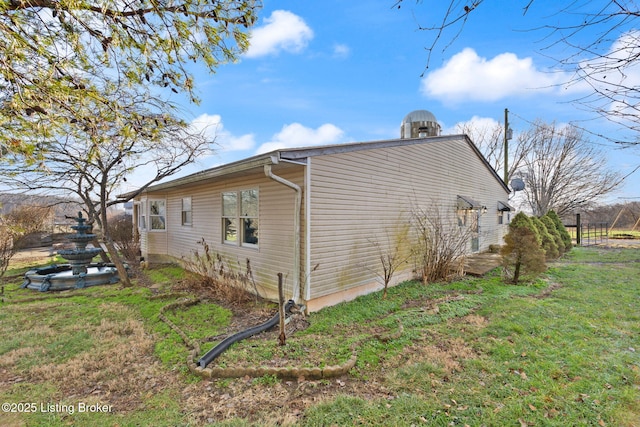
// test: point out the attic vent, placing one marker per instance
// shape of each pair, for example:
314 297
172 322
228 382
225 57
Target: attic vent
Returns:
419 124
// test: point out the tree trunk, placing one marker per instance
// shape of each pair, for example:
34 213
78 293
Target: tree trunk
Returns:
103 257
117 261
516 273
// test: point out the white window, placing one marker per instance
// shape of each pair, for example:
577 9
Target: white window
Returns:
141 210
230 217
462 215
240 222
157 214
186 211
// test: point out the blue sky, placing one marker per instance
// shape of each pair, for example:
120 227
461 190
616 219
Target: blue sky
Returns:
334 71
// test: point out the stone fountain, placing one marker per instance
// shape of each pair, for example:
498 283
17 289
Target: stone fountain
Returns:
79 272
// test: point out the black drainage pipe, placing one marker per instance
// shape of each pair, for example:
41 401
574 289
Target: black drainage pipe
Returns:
226 343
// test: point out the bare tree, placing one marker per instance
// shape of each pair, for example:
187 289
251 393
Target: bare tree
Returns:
96 157
7 247
16 226
55 56
562 170
490 141
599 41
394 251
622 216
441 245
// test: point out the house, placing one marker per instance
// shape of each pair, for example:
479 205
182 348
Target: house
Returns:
319 214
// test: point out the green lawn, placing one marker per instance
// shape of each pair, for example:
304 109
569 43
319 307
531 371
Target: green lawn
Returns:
563 351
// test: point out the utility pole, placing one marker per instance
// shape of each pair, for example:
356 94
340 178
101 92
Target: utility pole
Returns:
507 137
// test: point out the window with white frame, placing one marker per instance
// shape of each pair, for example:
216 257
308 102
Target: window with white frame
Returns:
230 217
186 211
240 219
141 209
462 215
157 214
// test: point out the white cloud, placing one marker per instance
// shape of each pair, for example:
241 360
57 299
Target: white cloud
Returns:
483 131
616 67
207 124
341 50
612 74
282 31
211 126
469 77
297 135
476 127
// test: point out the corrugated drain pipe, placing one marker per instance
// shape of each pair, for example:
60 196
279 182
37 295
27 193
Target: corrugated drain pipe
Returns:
296 225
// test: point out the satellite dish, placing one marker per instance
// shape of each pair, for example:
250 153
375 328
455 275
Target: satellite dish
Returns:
517 184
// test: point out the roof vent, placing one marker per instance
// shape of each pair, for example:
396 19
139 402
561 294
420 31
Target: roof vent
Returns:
419 124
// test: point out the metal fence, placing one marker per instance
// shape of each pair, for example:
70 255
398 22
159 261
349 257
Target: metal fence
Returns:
588 234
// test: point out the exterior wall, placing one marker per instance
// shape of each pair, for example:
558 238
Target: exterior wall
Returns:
360 198
274 253
356 199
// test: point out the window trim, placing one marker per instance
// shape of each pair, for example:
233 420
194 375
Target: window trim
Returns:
141 214
164 216
239 219
229 218
183 221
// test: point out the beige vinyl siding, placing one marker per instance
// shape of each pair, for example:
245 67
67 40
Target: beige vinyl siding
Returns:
358 195
357 198
274 253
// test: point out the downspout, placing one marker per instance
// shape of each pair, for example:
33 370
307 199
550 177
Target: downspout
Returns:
296 225
307 231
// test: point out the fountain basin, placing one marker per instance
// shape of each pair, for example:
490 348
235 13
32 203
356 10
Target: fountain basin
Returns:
60 277
79 259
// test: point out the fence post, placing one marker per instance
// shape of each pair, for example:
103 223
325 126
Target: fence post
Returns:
578 230
282 338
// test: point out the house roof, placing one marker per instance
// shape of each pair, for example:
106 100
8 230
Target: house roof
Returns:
299 155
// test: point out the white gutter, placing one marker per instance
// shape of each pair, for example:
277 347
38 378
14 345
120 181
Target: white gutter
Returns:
296 225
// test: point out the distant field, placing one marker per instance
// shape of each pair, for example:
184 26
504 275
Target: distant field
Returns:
624 234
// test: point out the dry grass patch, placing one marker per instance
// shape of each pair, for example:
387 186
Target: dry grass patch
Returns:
266 403
472 320
120 342
423 367
120 369
448 354
12 357
244 399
